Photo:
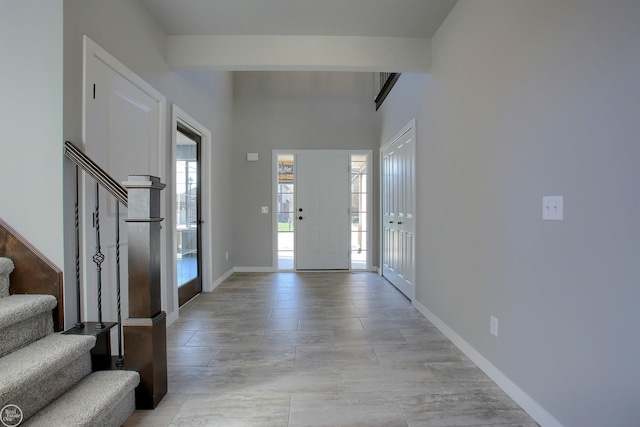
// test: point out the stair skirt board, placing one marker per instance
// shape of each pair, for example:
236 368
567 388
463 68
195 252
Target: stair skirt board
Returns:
104 399
21 334
39 394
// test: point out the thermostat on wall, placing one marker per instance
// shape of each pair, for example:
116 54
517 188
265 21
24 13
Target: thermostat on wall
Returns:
252 157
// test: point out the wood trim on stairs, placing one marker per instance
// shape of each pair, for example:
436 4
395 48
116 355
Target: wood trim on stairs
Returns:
34 272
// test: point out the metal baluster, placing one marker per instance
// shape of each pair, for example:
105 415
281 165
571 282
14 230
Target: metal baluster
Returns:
120 361
79 323
98 258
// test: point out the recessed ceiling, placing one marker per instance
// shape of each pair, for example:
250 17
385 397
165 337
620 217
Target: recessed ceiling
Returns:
366 18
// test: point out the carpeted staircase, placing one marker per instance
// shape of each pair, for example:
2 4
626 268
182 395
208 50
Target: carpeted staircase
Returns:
48 375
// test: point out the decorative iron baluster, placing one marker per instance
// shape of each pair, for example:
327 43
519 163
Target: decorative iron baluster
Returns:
98 257
120 361
79 323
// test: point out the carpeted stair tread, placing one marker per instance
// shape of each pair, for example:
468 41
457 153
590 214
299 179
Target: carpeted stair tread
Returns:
89 402
6 267
16 308
27 366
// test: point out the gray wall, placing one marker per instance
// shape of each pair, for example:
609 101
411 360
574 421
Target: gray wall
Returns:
528 99
290 110
31 122
130 34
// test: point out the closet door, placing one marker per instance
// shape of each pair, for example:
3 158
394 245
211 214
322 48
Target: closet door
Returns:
398 215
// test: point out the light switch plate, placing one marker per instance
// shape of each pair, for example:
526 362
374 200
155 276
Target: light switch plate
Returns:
265 209
493 326
552 208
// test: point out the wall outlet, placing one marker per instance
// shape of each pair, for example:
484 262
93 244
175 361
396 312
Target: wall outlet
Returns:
552 208
265 209
493 327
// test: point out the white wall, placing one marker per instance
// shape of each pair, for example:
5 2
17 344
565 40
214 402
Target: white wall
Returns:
528 99
289 110
31 122
126 30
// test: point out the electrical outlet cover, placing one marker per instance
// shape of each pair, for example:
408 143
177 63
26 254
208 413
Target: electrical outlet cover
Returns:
552 208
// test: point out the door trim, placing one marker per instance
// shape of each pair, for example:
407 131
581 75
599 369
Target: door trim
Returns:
180 117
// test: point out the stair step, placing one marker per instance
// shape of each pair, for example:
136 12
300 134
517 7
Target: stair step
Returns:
104 398
101 353
36 374
24 319
6 267
16 308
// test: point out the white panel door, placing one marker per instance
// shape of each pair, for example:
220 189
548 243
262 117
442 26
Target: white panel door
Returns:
398 216
121 134
322 210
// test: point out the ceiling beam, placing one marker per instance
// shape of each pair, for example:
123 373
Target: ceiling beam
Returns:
291 53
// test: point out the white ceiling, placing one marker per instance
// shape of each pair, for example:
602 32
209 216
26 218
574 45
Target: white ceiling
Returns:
366 18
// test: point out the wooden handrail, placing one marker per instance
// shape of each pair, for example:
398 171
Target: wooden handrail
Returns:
388 80
96 172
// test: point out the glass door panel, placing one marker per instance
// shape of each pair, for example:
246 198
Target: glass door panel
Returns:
285 212
359 212
187 194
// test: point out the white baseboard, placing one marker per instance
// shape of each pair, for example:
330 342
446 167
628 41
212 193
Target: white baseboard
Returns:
253 270
526 402
220 279
273 270
172 317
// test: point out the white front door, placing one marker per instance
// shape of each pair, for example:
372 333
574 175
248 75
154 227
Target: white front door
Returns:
398 215
122 134
322 210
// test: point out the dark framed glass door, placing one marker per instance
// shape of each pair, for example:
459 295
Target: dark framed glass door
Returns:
188 215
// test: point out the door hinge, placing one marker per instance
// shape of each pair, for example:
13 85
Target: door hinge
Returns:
94 91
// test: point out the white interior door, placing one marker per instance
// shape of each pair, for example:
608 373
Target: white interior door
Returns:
322 210
122 131
398 216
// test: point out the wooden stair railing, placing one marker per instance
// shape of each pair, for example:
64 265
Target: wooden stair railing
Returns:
145 328
387 81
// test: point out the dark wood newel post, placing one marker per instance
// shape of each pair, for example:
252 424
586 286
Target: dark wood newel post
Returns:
145 331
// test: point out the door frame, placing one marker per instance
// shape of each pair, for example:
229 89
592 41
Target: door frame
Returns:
370 205
180 117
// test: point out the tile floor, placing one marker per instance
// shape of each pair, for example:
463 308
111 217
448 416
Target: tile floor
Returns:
319 349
